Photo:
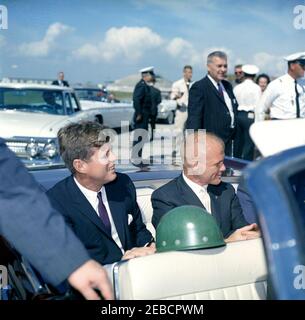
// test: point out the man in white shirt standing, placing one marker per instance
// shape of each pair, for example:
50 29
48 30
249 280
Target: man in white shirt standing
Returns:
180 93
248 94
285 96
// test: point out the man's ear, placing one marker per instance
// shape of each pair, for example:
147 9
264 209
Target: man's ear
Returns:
80 165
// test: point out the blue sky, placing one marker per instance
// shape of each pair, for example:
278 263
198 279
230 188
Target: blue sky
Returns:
105 40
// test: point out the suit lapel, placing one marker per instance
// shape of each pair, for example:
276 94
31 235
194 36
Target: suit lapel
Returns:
187 194
215 205
215 91
118 211
81 204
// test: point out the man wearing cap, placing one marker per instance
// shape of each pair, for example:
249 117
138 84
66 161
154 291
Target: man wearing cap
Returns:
212 104
248 94
142 103
285 96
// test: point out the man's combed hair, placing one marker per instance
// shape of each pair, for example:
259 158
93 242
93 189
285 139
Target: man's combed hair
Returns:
79 140
187 67
218 54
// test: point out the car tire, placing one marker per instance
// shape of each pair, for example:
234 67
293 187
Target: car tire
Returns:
171 118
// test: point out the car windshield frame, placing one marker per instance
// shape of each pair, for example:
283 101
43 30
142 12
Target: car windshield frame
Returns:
42 106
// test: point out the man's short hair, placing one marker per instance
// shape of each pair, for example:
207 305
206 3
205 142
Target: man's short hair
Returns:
79 140
187 67
218 54
238 66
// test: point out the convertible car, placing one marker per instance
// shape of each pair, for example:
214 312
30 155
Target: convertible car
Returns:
271 267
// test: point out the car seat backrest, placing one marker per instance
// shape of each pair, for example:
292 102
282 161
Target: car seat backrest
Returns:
237 271
143 199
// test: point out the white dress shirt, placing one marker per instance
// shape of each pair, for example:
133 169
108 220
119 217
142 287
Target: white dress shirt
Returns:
226 98
247 94
91 196
280 98
200 191
180 87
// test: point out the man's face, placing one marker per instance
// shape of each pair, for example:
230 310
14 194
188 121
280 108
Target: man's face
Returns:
61 76
214 164
217 68
238 73
187 74
147 77
263 82
100 168
298 70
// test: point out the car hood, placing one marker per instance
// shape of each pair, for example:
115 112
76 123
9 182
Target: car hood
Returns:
16 123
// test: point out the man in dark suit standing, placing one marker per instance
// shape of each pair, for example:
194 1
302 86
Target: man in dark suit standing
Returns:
212 104
200 185
142 103
156 99
40 234
60 80
98 203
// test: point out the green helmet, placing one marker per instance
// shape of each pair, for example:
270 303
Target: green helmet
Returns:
188 227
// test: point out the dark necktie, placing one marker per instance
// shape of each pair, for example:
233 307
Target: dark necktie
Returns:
220 89
102 212
297 99
188 86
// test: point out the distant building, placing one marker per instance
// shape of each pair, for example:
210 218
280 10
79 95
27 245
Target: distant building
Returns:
26 80
128 83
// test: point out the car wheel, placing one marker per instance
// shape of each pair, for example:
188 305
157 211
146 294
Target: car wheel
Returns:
171 118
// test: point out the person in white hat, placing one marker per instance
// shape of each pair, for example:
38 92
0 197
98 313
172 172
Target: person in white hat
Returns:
285 96
248 94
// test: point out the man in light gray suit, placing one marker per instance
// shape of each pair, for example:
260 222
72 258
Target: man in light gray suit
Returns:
40 234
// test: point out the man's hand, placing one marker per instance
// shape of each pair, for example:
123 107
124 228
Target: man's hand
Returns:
139 118
246 233
88 277
139 252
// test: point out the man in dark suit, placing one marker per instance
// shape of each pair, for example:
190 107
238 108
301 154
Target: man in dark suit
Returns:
200 185
60 80
40 234
212 104
155 101
98 203
142 103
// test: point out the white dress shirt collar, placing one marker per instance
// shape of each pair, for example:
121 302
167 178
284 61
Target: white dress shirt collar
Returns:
91 196
193 185
200 191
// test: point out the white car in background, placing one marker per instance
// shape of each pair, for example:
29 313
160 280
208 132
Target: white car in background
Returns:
113 111
31 115
167 109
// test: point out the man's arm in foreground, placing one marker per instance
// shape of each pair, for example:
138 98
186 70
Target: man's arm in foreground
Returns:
40 234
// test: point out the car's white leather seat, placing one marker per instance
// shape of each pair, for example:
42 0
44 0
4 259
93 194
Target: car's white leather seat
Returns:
237 271
144 202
